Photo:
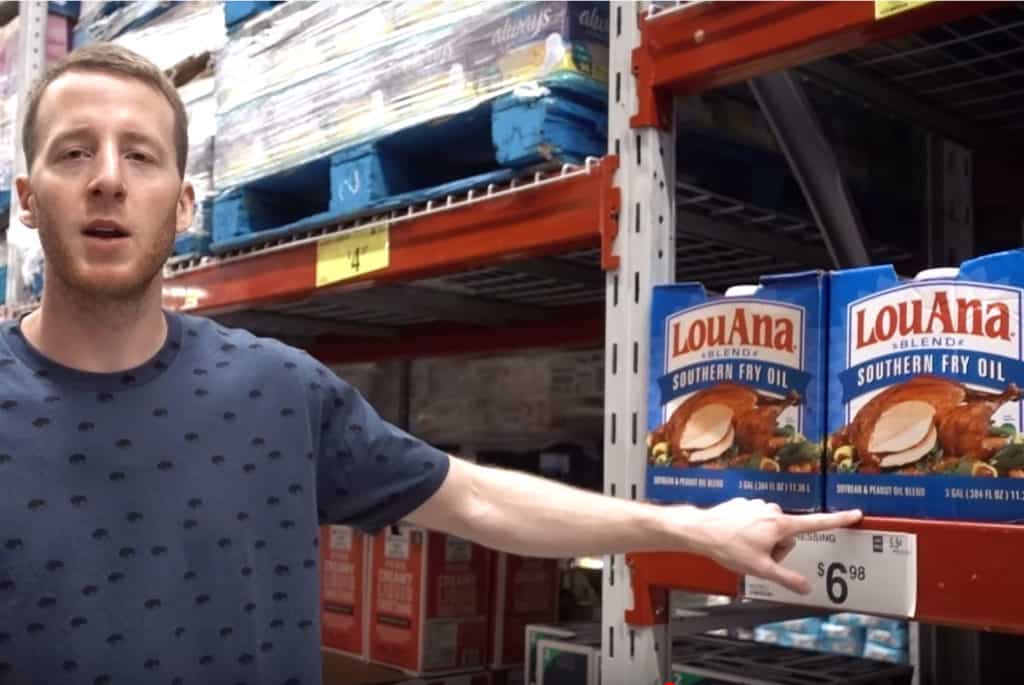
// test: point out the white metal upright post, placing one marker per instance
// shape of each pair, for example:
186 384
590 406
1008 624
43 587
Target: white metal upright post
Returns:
31 62
645 246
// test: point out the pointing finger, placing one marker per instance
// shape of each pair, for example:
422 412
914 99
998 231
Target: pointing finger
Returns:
783 549
789 579
811 523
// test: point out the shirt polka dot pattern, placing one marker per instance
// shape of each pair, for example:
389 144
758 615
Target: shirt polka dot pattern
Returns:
160 525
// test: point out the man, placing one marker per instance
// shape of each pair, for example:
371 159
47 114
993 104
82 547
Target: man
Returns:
164 477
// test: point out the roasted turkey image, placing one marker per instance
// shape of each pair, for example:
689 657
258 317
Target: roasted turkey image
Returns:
731 425
927 424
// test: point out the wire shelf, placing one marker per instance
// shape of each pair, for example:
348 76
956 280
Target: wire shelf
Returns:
972 68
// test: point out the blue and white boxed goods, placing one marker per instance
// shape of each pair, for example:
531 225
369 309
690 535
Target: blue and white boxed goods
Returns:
842 639
808 626
201 106
303 80
840 631
736 404
767 635
847 634
799 640
56 47
888 637
925 381
879 652
866 621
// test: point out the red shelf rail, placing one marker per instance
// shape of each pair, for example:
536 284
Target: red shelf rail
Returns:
966 575
576 212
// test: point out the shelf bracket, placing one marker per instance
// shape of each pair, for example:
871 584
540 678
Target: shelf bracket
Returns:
814 164
611 201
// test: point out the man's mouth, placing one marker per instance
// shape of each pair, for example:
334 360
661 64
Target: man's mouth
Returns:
105 231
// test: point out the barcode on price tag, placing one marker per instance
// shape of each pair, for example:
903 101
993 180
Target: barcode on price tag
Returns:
850 570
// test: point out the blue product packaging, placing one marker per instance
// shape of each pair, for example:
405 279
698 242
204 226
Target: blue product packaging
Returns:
849 647
808 626
840 631
766 635
882 653
799 640
867 621
925 380
895 638
736 404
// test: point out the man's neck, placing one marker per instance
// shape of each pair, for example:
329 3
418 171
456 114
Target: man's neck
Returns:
97 336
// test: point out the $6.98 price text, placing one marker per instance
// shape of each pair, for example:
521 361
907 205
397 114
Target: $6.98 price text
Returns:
837 578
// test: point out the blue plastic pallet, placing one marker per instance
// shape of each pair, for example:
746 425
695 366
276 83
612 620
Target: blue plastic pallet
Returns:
237 12
65 8
195 244
488 144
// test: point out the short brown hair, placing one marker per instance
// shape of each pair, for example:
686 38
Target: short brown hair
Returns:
114 59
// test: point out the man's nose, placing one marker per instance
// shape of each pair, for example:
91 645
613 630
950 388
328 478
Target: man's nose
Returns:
108 176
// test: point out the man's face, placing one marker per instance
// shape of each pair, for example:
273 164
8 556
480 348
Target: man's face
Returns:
104 190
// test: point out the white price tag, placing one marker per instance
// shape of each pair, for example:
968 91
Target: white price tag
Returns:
850 570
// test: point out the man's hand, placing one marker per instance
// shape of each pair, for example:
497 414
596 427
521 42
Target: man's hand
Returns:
753 536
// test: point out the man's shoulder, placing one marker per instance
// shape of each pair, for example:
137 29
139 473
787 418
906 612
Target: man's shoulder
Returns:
209 337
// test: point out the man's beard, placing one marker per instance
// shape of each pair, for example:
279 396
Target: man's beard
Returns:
128 288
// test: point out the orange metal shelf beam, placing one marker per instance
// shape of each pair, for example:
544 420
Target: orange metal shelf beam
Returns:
964 575
571 326
572 214
715 44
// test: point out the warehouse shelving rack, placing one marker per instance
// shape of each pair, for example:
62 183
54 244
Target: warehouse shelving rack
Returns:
684 48
532 263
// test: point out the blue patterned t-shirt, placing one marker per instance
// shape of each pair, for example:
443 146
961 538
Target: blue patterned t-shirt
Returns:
160 525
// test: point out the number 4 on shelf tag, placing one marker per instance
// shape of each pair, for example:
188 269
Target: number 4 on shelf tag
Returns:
352 253
850 570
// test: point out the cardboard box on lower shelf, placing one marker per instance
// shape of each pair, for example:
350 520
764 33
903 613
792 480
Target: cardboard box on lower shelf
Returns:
569 662
429 604
556 635
344 589
508 676
525 591
475 678
345 669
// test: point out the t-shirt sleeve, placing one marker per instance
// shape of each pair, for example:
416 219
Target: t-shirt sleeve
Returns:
370 473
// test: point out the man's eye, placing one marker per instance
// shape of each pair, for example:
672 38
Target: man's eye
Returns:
139 157
75 153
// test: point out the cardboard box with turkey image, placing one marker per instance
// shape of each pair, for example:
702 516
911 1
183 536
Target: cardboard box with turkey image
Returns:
925 404
429 602
736 404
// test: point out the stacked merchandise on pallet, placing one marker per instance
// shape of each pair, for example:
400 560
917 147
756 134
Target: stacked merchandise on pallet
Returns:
30 264
885 639
56 46
201 105
849 634
294 84
168 33
703 660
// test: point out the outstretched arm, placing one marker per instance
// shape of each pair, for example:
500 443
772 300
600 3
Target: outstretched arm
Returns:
523 514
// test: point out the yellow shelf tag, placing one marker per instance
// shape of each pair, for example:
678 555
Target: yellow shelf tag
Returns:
352 254
887 8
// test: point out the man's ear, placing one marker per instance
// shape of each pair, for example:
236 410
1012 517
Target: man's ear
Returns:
26 200
186 207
